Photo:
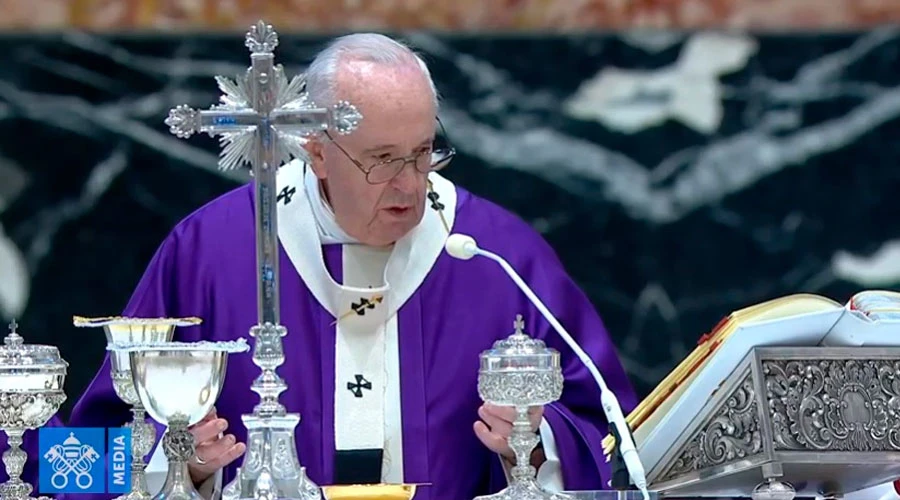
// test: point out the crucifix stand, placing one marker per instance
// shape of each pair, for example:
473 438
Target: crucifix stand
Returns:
264 121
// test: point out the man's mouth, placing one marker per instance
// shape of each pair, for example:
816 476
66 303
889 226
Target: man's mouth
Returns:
398 210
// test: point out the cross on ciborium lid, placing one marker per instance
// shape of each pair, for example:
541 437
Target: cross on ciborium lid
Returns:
16 355
520 371
519 351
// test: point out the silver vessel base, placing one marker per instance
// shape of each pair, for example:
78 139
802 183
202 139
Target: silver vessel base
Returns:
525 490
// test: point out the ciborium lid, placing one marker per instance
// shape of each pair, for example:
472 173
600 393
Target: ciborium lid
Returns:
519 352
16 355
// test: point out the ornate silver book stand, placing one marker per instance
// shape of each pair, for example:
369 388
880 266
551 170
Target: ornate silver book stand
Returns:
792 422
264 121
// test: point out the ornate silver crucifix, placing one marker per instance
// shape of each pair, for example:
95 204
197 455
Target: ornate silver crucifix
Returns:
263 121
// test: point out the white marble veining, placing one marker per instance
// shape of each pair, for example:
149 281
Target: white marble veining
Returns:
14 285
881 269
688 91
14 278
694 177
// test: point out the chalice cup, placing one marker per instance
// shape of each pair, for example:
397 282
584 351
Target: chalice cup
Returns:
178 384
134 331
521 372
31 392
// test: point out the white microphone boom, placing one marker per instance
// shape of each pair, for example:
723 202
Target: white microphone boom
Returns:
464 247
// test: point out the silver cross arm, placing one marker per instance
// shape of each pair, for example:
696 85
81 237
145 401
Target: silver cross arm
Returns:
263 116
185 121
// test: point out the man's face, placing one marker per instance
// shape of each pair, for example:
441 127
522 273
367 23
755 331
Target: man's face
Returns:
398 121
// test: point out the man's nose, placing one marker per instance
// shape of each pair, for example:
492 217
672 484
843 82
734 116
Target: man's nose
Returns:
409 180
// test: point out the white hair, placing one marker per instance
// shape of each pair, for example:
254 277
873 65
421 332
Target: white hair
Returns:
321 74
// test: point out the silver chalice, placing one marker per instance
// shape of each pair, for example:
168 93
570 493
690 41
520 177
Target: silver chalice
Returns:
143 433
31 392
521 372
178 383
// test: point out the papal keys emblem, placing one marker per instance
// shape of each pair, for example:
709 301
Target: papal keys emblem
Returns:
72 458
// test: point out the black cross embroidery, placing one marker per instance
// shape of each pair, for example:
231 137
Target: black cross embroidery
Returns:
286 194
360 384
435 204
364 304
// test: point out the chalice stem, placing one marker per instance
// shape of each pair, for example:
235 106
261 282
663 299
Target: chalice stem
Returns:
14 459
522 440
142 437
178 444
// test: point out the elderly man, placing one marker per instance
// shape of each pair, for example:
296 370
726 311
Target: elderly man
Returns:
381 321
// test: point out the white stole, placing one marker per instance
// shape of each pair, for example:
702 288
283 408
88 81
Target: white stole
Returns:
376 283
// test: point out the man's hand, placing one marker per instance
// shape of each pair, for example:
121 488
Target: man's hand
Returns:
496 425
214 450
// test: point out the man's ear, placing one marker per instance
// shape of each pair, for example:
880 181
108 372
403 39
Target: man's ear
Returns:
316 151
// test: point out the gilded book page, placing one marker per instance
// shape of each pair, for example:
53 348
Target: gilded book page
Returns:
468 15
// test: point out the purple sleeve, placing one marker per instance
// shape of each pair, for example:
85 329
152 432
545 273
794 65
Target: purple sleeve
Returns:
577 419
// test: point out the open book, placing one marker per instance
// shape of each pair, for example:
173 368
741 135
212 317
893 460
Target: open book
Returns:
870 318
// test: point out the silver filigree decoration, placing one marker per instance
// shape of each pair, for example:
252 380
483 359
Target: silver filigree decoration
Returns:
28 410
124 387
283 459
143 435
183 121
834 405
345 117
255 453
733 433
261 38
178 445
523 388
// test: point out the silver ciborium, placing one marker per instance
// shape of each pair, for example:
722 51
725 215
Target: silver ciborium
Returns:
31 392
135 331
521 372
178 383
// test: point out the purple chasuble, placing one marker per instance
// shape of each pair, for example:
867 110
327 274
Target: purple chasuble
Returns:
206 268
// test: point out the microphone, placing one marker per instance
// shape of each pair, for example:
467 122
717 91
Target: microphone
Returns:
464 247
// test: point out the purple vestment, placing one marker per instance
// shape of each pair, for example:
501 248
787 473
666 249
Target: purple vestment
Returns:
206 268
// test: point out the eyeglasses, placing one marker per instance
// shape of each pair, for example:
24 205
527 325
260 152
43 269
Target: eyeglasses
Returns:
430 160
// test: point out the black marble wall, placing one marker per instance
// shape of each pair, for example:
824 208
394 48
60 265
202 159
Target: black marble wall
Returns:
680 177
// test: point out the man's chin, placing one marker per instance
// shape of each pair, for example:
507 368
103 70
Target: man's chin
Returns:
388 233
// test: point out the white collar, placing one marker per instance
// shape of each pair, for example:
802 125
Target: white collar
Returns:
411 259
329 230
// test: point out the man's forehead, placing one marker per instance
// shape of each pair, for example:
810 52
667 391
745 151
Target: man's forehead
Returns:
369 84
397 105
401 136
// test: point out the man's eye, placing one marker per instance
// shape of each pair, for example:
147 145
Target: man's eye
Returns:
383 157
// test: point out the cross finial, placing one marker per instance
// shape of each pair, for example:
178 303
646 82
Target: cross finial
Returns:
519 325
13 339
